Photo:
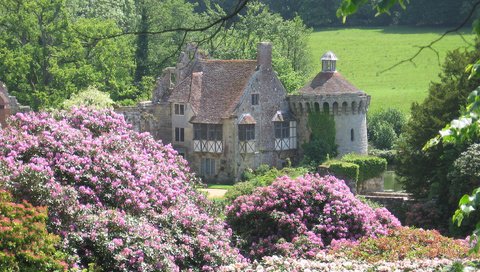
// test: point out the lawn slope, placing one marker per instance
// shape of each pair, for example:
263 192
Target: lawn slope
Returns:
363 53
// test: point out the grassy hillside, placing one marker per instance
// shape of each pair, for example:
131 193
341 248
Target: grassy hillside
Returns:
363 53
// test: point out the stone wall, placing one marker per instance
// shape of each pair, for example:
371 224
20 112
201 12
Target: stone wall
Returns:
396 203
150 117
9 105
371 185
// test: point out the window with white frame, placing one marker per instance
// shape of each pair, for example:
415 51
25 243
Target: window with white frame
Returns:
207 167
208 138
179 109
246 132
246 138
285 135
179 134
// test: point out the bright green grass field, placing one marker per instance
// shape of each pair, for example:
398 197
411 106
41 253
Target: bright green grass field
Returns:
363 53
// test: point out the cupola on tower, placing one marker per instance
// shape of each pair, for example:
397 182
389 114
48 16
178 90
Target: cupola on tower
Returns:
329 62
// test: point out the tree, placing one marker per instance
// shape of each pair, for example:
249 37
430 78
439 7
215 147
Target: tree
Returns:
425 172
289 37
45 56
384 127
91 97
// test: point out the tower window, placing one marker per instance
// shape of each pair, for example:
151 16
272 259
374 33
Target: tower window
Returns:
254 99
352 135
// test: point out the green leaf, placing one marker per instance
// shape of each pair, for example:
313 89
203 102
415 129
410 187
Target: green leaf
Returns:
458 217
464 200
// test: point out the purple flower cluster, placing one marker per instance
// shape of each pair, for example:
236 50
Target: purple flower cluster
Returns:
118 198
299 218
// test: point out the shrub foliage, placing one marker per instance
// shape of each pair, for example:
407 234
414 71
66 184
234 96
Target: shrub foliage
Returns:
322 139
118 199
405 243
25 243
303 216
343 170
370 166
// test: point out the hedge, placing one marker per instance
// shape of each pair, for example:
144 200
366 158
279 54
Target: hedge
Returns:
343 170
369 166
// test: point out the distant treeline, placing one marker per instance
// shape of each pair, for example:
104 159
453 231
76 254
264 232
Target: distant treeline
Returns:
322 13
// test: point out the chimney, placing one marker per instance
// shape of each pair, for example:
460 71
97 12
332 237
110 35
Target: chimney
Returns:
264 56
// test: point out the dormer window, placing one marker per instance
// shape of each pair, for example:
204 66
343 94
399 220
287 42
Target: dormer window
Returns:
285 131
246 134
208 138
179 109
329 62
254 99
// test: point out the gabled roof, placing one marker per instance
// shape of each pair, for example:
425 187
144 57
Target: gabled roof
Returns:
215 89
329 83
281 116
247 119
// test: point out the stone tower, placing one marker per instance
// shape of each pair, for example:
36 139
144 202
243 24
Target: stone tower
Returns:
331 93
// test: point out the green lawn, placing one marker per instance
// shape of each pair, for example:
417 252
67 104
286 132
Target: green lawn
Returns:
219 186
363 53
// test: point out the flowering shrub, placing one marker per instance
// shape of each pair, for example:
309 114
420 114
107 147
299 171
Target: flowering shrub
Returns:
119 199
24 241
303 216
404 243
331 263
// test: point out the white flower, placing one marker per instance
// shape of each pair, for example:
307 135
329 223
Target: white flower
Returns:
461 123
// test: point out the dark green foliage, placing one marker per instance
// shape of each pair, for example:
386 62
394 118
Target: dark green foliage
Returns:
369 166
389 155
384 127
424 173
343 170
25 244
383 137
465 174
322 138
321 13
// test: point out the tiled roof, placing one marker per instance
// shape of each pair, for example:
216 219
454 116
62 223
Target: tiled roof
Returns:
215 90
329 83
188 91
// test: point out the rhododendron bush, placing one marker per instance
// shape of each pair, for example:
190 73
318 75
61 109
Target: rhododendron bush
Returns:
117 198
299 218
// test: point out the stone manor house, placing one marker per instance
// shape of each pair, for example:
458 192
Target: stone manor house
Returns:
225 116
